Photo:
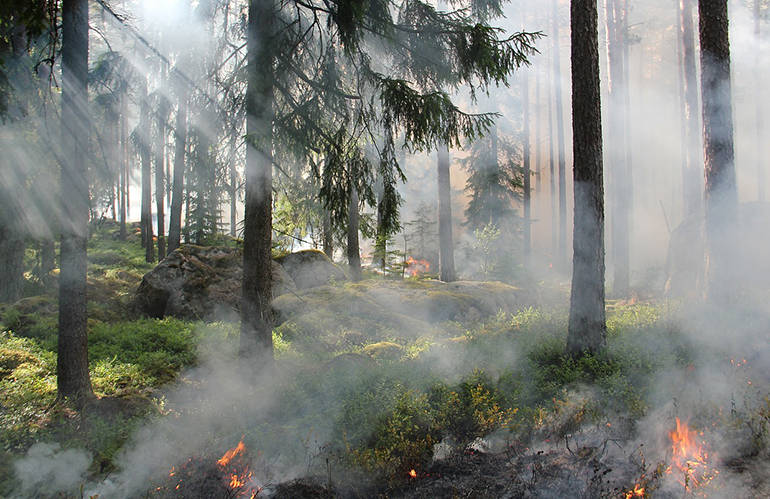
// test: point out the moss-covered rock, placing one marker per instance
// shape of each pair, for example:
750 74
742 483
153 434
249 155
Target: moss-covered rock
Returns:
311 268
196 282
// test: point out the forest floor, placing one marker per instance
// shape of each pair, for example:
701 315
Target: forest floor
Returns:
677 406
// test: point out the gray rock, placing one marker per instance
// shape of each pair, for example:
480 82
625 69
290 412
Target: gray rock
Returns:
197 282
311 268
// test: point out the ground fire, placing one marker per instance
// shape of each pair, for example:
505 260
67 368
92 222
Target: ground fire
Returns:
227 477
691 460
416 267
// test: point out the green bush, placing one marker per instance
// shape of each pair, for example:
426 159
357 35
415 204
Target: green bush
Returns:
160 347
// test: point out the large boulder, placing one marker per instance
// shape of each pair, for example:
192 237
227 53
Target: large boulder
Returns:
685 260
311 268
195 282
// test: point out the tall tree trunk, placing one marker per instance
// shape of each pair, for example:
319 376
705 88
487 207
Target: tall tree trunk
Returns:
160 177
123 169
761 181
446 258
627 115
527 169
587 331
561 141
180 146
233 188
354 251
12 249
73 378
144 153
692 180
721 195
538 145
682 107
256 344
616 137
552 174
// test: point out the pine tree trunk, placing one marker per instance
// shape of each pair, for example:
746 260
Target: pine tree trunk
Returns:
692 180
233 189
561 141
760 118
538 145
12 249
587 325
552 174
721 195
446 259
160 180
73 378
144 153
256 344
180 146
616 137
123 165
527 169
328 236
354 250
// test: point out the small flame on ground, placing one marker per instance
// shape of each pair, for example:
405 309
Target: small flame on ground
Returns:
229 455
638 491
417 267
690 457
413 474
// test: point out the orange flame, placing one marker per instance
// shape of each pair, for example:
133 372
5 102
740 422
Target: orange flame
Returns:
229 455
690 457
413 474
637 492
417 267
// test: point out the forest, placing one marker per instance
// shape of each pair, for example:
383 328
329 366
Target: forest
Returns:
384 249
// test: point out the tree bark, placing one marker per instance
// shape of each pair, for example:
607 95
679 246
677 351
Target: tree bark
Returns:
144 153
328 235
692 177
354 250
11 255
446 259
160 177
73 378
256 344
616 137
721 195
587 324
180 133
760 118
527 169
561 141
233 188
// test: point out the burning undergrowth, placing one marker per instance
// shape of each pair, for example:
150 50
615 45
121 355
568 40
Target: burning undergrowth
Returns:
491 409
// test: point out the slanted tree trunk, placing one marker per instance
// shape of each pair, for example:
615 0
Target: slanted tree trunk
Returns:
587 329
256 344
446 258
561 141
160 181
721 194
354 250
692 177
73 378
180 134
